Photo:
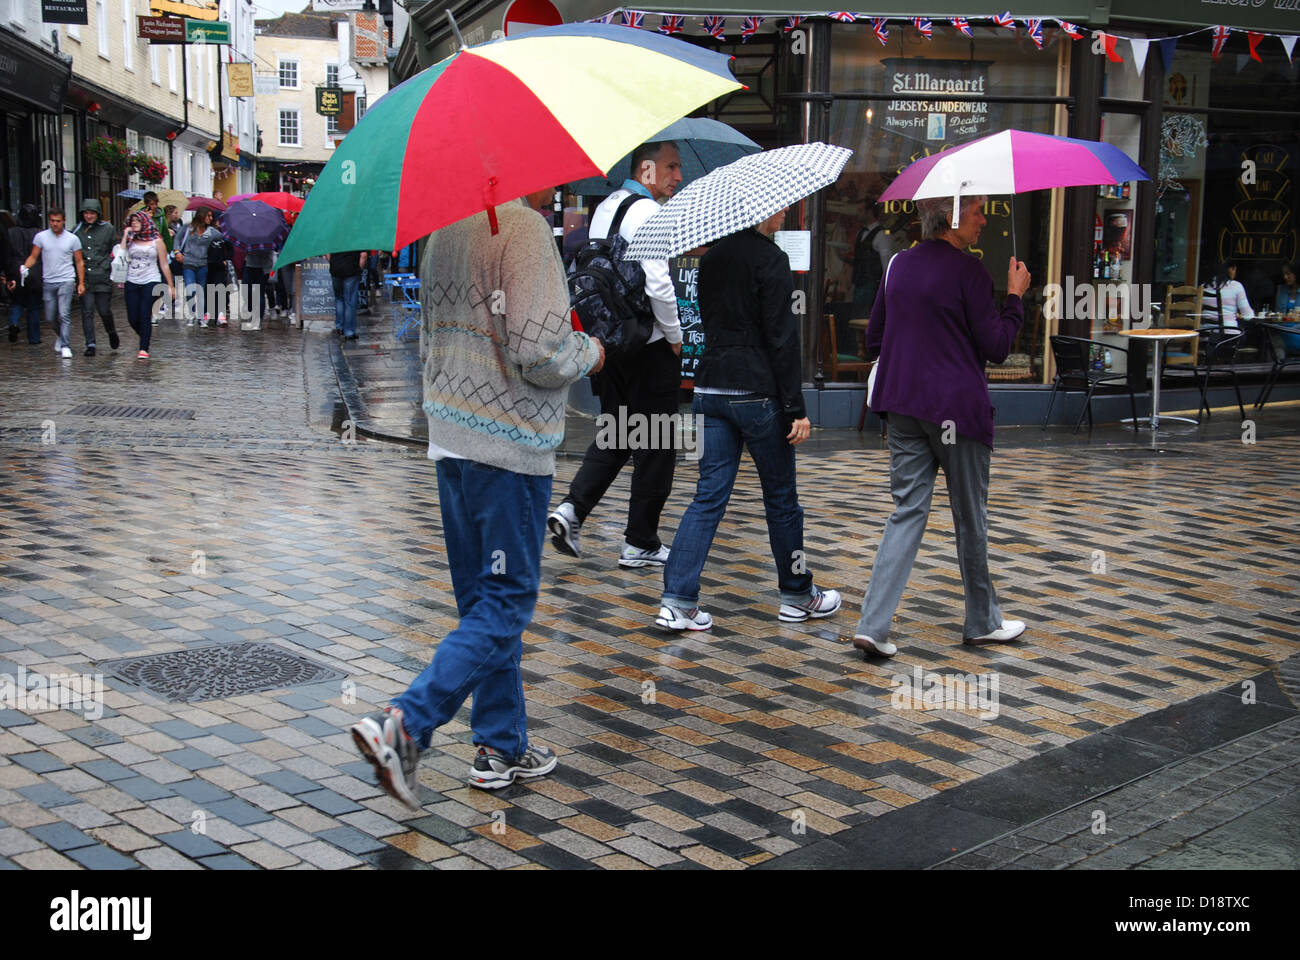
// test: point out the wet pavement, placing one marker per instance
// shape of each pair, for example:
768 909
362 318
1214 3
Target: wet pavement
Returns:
1157 580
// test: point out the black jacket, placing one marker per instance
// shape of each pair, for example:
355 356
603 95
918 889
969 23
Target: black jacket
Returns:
751 332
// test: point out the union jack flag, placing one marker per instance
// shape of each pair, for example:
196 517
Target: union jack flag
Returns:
633 18
1071 30
607 18
1220 38
1006 20
750 26
1035 30
880 28
962 24
843 16
671 25
791 23
716 27
923 26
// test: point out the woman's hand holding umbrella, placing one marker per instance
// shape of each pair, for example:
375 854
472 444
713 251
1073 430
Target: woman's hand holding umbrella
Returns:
1017 277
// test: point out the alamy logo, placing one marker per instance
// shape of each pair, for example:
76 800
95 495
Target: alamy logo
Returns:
35 693
1098 301
75 913
970 693
655 431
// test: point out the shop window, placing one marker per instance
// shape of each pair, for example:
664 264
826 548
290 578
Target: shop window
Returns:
1228 186
900 124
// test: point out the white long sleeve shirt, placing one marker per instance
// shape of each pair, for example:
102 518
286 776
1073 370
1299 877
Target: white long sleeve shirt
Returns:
1232 304
658 279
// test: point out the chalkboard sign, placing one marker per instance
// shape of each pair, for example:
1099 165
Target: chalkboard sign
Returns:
685 272
315 289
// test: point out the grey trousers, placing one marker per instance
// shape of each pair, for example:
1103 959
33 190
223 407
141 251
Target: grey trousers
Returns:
916 452
58 309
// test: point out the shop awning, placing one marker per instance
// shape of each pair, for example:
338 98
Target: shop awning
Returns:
29 74
1265 17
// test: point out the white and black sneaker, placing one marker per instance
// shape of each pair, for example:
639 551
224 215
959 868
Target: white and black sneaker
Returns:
492 770
822 603
383 740
675 618
564 524
636 557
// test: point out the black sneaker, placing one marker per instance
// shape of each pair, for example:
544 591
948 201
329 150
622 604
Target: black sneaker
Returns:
114 340
90 351
13 334
383 740
492 770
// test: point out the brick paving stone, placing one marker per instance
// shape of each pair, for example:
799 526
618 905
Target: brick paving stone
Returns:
191 844
165 858
265 855
280 833
60 836
14 841
26 814
45 860
308 819
83 815
323 855
122 837
100 857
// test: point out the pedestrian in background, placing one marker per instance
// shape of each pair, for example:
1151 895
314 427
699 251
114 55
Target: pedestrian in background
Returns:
220 252
749 390
146 271
63 270
257 267
345 272
933 328
495 383
24 294
191 254
98 238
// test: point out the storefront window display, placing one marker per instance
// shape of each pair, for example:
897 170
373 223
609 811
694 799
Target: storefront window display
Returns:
889 109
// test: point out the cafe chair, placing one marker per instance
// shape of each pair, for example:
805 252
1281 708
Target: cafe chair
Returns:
410 316
1217 358
1274 337
1074 372
1183 309
836 362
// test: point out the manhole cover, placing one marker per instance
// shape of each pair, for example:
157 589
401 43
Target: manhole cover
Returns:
223 670
129 413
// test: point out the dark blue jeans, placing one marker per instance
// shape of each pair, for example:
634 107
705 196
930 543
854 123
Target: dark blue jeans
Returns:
29 303
494 522
140 299
730 424
346 290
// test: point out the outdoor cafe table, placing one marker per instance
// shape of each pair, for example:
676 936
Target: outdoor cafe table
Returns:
1159 335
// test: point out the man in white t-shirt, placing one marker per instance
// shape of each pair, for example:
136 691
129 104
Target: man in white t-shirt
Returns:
62 270
644 386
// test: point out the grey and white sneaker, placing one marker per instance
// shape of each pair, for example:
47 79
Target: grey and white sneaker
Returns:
564 524
493 770
675 618
822 603
636 557
383 740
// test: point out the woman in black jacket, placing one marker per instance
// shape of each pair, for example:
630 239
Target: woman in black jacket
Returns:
748 393
23 297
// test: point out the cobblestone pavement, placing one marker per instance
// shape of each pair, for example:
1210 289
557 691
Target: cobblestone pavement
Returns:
1149 582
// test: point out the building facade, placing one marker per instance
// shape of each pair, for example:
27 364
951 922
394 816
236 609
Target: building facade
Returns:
296 55
34 77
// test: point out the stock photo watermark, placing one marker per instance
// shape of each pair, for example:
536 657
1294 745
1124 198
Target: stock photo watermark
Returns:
967 693
36 693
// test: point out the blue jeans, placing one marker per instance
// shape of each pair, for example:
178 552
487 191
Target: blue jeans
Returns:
58 309
196 290
731 423
140 299
27 302
494 522
345 303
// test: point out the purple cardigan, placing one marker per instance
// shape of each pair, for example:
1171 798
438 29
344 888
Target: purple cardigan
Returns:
943 327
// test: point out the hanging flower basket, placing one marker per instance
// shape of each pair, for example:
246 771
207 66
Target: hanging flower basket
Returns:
152 170
112 156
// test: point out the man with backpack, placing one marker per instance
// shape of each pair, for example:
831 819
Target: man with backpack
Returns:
97 238
641 384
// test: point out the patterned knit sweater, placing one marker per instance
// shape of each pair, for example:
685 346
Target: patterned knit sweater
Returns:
498 349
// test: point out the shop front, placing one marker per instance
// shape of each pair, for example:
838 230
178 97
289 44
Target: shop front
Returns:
33 86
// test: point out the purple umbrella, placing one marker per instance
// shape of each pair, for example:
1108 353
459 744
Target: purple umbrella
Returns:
1013 161
253 225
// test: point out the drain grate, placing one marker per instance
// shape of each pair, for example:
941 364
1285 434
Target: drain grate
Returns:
129 413
223 670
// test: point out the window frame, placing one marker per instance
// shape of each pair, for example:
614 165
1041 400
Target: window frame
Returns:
281 113
281 63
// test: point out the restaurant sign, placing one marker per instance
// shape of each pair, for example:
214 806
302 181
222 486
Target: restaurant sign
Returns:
918 110
64 11
1262 227
329 101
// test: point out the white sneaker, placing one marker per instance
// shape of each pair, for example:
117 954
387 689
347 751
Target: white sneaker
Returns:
67 353
636 557
671 618
563 524
881 648
1009 631
822 603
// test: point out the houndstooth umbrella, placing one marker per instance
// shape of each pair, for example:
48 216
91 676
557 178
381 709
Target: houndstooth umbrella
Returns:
741 194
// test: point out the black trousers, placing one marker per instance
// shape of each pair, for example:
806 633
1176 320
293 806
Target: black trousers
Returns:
101 303
643 386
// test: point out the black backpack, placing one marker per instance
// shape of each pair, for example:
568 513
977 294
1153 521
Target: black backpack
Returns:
608 292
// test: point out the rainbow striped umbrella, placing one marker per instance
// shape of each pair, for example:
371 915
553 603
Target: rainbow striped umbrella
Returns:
496 121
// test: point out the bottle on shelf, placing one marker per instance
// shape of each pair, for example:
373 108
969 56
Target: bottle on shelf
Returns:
1126 191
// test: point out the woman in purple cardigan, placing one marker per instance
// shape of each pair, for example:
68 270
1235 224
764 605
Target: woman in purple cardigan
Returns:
933 327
